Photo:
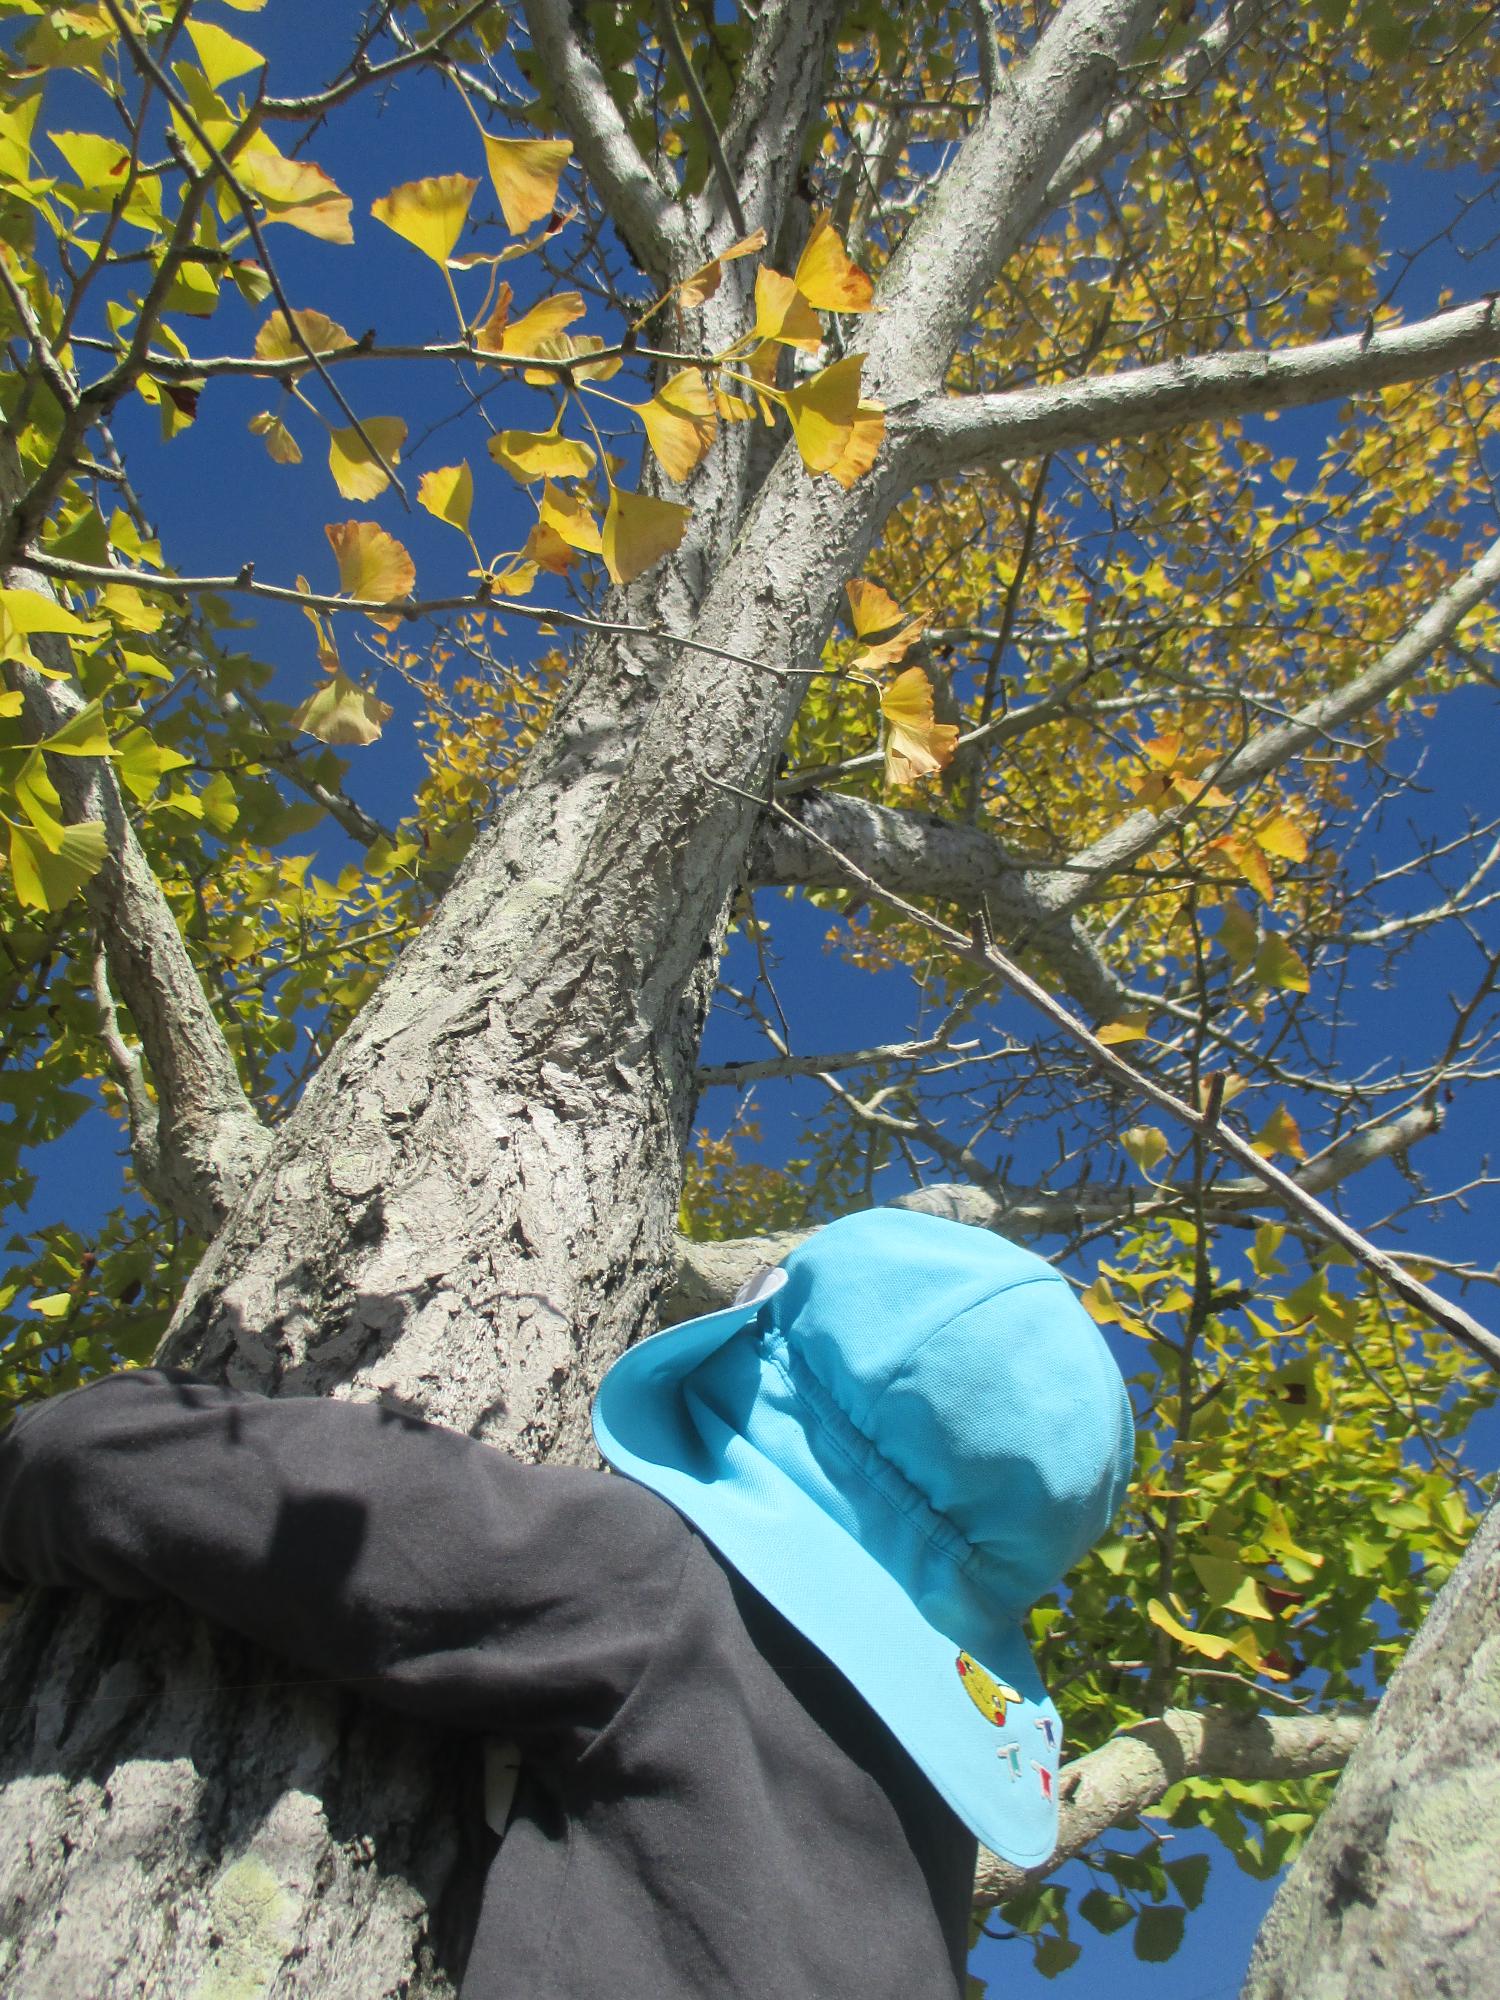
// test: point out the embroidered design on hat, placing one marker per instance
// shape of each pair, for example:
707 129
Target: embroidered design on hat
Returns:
1044 1723
1011 1752
1045 1775
988 1694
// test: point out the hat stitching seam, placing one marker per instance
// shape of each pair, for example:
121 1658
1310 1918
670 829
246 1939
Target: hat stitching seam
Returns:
974 1557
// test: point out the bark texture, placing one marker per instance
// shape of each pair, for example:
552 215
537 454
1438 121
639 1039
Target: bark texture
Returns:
1394 1894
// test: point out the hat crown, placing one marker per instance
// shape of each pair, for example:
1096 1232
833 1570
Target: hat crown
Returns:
977 1379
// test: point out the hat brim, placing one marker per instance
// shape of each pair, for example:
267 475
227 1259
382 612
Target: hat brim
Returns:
998 1773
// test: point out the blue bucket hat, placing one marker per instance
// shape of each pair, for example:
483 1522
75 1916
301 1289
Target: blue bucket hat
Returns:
902 1440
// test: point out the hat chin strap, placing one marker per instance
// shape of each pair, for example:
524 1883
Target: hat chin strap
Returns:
768 1279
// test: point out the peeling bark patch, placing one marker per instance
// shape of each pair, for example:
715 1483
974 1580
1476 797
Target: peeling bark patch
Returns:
255 1920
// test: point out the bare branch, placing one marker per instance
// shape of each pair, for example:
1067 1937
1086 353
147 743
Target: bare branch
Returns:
641 208
1134 1770
951 434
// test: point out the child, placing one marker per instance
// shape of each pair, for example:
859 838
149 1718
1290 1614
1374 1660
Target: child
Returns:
767 1688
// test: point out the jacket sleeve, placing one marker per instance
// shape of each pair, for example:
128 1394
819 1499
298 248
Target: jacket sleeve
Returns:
369 1548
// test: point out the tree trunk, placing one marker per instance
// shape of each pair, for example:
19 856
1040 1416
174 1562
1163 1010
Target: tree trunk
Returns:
1394 1893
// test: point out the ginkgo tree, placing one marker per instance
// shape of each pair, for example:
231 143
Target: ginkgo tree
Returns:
833 472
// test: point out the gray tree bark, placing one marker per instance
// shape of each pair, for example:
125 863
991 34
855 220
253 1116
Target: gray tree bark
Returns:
1394 1894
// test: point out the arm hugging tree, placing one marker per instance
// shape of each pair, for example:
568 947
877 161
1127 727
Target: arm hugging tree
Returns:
976 605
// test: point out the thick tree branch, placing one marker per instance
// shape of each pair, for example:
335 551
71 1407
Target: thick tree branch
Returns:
641 208
920 854
953 434
209 1140
709 1274
666 16
957 246
1270 748
1134 1770
780 87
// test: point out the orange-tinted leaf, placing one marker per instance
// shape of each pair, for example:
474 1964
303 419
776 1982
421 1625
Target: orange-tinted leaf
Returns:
546 549
681 422
280 443
532 455
638 531
915 745
569 515
372 564
866 434
822 412
782 314
328 652
526 173
827 276
448 492
296 192
357 473
430 213
697 289
277 342
492 333
1279 1134
341 711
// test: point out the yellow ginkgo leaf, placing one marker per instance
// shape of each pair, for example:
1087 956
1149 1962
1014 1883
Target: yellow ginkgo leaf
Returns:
276 341
873 610
220 54
296 192
280 443
700 286
357 473
541 322
915 745
570 516
518 579
573 350
532 455
341 711
328 652
782 314
681 422
823 410
1280 1134
638 531
372 564
1129 1028
430 213
881 654
866 435
827 276
526 173
448 492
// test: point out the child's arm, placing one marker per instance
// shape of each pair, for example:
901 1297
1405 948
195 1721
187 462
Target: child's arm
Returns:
368 1547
